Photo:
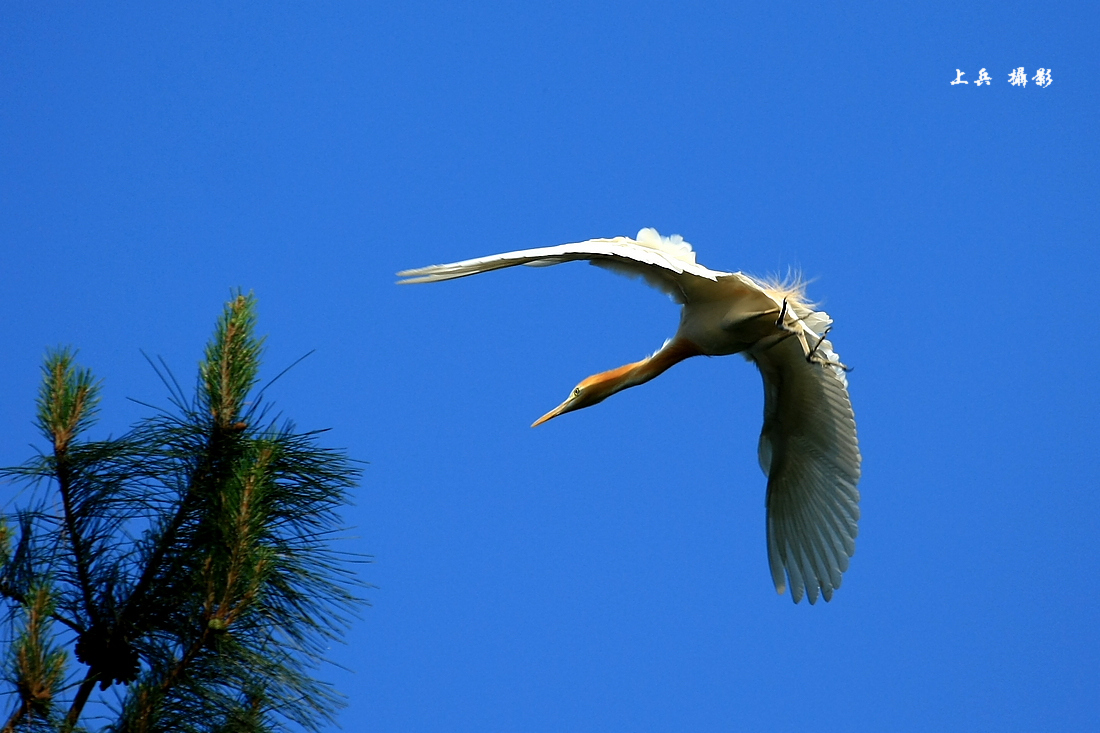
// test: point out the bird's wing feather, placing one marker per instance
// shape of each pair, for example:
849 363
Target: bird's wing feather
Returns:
810 453
664 262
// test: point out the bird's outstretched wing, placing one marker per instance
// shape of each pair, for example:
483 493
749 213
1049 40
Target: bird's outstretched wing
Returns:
664 262
810 453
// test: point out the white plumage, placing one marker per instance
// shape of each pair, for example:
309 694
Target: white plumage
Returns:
808 447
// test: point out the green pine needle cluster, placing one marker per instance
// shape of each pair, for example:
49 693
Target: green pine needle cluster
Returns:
36 665
187 565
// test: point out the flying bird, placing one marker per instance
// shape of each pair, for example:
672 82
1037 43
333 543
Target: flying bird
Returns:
808 448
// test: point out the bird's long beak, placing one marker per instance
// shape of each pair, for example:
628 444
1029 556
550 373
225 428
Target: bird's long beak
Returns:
563 407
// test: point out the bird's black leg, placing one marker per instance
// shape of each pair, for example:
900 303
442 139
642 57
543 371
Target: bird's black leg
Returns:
820 340
782 315
780 322
824 362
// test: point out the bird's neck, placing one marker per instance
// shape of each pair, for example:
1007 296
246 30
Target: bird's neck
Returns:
640 372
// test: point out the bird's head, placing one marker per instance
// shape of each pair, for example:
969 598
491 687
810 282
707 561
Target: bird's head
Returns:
591 391
599 387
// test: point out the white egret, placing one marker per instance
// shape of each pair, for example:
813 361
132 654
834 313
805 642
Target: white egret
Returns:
808 447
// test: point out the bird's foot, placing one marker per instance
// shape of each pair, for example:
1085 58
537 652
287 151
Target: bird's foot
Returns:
812 357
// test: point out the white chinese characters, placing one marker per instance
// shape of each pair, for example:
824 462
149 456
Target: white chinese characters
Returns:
1017 78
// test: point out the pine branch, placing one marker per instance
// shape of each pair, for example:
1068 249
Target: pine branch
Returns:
81 699
227 374
37 666
218 615
66 406
8 592
12 569
232 363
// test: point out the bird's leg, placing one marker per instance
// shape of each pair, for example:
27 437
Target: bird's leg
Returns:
785 331
820 340
780 322
824 362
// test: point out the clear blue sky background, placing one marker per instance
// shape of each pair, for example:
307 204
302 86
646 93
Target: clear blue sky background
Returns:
606 571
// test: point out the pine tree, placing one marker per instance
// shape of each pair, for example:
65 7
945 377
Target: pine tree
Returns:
186 568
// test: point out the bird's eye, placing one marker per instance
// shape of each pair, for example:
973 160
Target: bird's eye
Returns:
577 392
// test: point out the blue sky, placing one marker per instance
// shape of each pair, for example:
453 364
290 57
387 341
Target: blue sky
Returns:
606 571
